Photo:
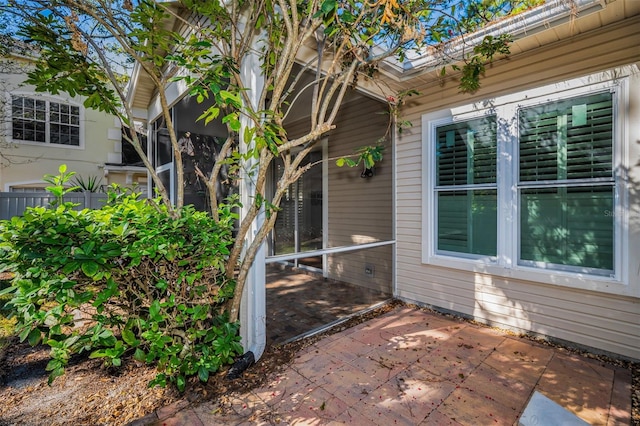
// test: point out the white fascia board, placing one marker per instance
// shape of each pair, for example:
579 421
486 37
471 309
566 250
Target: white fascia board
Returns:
174 92
552 13
133 84
140 114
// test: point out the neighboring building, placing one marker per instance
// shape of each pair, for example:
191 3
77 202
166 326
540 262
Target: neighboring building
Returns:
40 131
517 206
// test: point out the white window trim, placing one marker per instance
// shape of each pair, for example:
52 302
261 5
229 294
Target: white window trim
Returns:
11 186
506 263
48 99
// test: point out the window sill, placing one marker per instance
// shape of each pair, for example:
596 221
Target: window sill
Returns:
47 145
579 281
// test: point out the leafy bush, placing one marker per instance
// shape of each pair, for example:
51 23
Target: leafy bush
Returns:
124 279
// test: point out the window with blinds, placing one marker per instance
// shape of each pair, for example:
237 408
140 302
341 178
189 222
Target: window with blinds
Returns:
466 190
528 184
566 183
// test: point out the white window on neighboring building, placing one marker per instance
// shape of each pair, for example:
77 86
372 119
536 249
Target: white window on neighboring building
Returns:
19 188
529 184
44 121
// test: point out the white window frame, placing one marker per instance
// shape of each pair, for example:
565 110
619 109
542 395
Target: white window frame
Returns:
48 100
432 167
506 264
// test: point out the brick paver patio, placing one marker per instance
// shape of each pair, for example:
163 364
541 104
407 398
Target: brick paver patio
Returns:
413 367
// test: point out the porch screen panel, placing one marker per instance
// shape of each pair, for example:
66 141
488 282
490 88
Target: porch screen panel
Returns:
298 226
567 193
309 193
285 227
466 194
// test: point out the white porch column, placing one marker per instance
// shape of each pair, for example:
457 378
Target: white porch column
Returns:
253 316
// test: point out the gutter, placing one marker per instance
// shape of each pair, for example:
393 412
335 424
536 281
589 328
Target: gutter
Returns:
551 14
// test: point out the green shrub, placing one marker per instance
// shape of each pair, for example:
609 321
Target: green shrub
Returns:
124 279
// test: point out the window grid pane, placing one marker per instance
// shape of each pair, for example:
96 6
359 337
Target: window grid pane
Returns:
29 121
65 127
467 222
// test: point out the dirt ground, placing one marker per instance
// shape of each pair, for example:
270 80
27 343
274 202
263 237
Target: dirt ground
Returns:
89 394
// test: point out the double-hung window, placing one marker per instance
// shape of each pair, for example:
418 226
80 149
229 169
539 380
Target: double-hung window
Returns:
566 184
528 184
44 121
465 189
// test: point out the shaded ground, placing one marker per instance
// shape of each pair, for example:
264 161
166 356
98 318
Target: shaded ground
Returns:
87 394
91 395
299 302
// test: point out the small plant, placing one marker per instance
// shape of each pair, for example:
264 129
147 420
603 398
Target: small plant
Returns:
128 279
90 184
59 184
7 324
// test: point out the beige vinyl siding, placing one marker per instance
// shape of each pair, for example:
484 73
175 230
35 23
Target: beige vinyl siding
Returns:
360 210
606 322
595 320
563 59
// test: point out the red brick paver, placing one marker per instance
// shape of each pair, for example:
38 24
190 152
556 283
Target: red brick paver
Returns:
413 367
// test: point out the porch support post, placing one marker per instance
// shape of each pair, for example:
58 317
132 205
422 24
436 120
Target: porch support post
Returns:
253 318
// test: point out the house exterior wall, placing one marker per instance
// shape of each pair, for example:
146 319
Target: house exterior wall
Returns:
588 311
100 140
360 210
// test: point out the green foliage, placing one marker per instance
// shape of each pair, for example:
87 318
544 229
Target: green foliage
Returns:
64 66
58 184
7 324
474 14
89 184
128 279
368 156
484 52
